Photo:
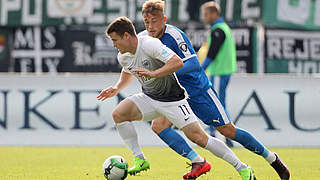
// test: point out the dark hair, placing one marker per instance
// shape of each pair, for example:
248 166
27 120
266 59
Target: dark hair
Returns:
121 25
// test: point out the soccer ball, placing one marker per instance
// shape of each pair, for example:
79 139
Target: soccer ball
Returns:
115 168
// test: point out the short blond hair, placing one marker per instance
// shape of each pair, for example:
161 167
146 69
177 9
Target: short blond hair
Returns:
153 7
211 6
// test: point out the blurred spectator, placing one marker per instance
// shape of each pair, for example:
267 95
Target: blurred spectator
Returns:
220 60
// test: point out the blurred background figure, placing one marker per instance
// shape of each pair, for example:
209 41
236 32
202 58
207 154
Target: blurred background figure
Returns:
220 61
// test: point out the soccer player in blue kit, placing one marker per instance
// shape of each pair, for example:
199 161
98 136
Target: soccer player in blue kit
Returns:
202 97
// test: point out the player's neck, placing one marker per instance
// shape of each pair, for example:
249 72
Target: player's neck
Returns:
214 20
134 45
162 32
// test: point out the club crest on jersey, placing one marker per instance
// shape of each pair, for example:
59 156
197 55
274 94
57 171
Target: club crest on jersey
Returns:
183 46
146 64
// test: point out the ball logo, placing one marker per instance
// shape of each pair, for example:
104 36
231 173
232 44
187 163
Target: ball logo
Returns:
70 6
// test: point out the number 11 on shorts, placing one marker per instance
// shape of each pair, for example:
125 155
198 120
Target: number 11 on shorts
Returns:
184 110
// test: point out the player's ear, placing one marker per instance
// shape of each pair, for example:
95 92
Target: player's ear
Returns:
165 19
126 35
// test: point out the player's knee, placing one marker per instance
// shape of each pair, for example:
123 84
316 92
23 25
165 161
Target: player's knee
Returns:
227 134
117 116
200 139
228 131
159 126
196 134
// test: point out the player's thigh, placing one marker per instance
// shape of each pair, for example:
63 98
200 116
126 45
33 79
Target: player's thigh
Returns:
146 106
209 109
126 111
160 124
178 113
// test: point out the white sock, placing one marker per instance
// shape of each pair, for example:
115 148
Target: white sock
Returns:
197 159
271 157
129 135
220 149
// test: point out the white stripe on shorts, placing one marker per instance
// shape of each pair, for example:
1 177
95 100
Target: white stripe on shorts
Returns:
219 105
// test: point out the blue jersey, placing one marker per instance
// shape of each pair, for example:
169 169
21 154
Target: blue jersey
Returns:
192 76
203 100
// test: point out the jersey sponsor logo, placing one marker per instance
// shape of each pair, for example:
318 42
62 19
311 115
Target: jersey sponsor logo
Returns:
183 46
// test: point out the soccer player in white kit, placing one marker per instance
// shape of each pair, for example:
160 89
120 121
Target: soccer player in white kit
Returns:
153 64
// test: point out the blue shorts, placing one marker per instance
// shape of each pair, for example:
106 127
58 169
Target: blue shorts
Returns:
209 109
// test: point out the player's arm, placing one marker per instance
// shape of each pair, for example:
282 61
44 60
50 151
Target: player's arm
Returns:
124 80
190 65
171 66
217 40
155 49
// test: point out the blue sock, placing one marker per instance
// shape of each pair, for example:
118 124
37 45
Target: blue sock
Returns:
177 143
248 141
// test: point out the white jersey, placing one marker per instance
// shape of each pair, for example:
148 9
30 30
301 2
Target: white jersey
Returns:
151 54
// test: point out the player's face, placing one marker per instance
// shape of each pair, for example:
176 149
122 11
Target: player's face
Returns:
207 16
155 24
121 43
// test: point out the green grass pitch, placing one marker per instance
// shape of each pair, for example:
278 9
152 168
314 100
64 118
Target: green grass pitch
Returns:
77 163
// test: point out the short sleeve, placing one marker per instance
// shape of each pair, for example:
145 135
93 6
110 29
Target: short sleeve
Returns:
154 48
122 62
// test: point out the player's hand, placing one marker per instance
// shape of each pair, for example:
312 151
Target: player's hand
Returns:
144 72
107 93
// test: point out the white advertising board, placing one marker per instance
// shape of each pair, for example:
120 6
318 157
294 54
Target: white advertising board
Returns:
278 110
63 110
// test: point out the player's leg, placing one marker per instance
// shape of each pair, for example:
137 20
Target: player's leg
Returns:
251 143
224 125
212 129
162 127
224 81
134 108
226 128
206 110
196 134
182 116
122 115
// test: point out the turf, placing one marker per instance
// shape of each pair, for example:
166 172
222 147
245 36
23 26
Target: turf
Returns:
77 163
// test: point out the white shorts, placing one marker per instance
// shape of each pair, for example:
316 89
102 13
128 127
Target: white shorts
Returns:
179 113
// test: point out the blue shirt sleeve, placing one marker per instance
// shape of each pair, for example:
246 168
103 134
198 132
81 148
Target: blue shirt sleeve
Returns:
190 65
206 63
